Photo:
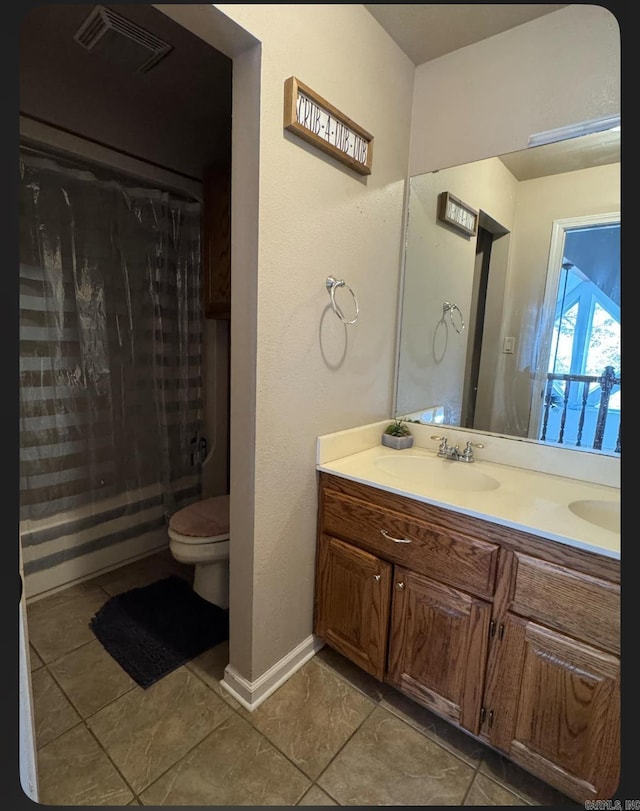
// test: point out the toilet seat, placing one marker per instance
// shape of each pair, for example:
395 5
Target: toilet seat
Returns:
199 535
202 522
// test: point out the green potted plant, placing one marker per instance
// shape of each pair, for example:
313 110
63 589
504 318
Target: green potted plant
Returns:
397 435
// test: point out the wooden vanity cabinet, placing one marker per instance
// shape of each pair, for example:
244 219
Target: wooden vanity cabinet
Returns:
509 636
552 703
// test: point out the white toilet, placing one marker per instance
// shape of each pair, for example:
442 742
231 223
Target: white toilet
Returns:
199 535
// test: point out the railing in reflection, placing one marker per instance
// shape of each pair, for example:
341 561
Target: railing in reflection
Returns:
578 406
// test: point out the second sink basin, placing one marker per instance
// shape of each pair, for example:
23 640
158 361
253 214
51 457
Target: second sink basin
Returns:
598 511
441 474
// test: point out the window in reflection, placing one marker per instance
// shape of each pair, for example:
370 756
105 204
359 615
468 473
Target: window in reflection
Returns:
582 398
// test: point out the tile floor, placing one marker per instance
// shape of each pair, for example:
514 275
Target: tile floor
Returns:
331 735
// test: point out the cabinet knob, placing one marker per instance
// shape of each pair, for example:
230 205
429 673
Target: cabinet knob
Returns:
400 585
377 577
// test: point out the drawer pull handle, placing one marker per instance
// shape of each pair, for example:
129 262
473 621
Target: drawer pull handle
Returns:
400 586
377 577
395 540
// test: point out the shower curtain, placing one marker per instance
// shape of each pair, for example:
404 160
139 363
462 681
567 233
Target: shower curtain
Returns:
110 360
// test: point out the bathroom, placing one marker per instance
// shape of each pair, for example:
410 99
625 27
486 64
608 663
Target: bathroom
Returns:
284 337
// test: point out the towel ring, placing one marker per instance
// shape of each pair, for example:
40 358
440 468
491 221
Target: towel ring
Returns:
449 308
332 285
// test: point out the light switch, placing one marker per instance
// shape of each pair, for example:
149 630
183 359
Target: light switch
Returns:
509 345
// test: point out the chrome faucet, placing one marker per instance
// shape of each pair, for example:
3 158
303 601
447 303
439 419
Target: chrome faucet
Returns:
444 449
447 451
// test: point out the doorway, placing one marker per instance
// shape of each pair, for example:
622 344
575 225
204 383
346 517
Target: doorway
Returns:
476 326
576 397
489 230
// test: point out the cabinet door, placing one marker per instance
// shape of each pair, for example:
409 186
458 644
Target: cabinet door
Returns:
558 712
438 646
352 603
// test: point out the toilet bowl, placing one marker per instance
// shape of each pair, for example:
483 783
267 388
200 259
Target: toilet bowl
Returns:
199 535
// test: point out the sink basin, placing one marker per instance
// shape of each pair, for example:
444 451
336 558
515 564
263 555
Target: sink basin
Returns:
440 474
598 511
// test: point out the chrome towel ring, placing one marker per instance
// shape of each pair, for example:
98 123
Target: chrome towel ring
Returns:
449 308
332 285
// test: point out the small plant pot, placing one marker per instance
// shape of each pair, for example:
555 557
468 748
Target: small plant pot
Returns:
397 442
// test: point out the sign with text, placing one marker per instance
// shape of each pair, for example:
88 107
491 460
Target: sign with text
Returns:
457 214
316 121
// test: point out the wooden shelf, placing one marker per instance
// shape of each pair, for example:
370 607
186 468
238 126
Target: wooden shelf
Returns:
216 242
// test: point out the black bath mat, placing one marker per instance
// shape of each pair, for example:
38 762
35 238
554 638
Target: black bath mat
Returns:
152 630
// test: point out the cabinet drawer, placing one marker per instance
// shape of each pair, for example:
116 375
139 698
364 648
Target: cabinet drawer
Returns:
447 556
582 606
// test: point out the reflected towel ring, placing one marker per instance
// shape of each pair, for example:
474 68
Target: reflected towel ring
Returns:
447 307
332 284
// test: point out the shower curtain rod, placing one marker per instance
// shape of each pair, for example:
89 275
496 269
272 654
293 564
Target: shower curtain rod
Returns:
38 134
86 167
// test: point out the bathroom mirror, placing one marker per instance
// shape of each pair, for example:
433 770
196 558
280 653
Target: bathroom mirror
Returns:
510 304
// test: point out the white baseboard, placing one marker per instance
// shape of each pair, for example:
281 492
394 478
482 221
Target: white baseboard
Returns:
252 694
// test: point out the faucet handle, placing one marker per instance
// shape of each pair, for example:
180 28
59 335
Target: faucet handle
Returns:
443 448
467 454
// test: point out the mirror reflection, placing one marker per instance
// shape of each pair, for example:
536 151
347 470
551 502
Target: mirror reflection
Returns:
510 318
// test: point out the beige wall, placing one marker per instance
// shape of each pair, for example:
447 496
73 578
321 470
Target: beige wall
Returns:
313 374
488 98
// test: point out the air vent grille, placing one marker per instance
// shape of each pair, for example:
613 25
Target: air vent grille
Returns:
122 41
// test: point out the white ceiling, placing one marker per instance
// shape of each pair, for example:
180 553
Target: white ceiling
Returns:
584 152
426 31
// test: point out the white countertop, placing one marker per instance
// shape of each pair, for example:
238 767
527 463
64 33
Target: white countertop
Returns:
528 500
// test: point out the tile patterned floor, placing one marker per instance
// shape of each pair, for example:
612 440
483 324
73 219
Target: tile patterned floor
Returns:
331 735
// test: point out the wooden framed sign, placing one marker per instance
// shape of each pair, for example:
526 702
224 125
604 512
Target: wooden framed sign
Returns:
457 214
316 121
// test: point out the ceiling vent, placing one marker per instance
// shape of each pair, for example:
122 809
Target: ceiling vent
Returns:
123 42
